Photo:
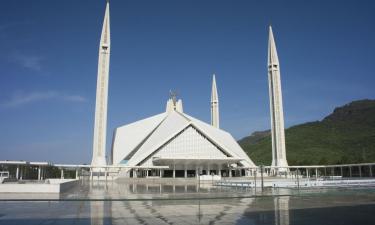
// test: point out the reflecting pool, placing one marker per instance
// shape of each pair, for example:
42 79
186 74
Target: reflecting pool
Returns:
135 203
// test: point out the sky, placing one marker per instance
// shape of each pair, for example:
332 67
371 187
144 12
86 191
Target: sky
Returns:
49 53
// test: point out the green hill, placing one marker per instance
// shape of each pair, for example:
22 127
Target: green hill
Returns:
345 136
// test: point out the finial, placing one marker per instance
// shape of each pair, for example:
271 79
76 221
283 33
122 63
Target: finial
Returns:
173 96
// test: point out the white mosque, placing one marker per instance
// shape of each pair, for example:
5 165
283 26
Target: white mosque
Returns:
185 144
175 144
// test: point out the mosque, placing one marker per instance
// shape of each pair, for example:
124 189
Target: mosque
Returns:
185 144
173 143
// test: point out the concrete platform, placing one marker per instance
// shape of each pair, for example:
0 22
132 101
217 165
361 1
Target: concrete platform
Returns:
49 186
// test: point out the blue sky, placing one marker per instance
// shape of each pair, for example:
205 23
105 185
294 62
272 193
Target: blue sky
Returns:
48 65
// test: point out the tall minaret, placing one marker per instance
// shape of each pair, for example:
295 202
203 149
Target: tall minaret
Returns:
100 129
276 105
214 104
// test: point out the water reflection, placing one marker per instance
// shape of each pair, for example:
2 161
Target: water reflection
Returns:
134 190
192 211
282 210
97 207
159 188
97 212
334 207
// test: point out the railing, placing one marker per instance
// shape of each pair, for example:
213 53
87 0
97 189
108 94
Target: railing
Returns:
335 181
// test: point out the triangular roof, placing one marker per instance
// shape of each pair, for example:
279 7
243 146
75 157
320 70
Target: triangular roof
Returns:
166 130
222 139
170 125
127 138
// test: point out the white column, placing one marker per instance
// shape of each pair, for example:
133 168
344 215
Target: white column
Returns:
21 171
17 172
214 105
276 106
39 172
174 171
219 167
341 172
76 174
62 173
370 170
100 126
185 172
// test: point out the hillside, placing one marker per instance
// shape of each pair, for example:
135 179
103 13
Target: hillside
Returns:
345 136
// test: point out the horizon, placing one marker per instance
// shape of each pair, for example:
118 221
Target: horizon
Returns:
49 66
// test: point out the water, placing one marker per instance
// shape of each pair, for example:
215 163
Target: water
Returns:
132 203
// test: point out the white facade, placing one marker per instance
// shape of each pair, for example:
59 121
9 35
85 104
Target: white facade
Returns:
276 106
179 141
100 127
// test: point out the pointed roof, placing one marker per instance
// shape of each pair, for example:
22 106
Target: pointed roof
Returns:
223 139
214 95
170 126
132 135
273 59
105 39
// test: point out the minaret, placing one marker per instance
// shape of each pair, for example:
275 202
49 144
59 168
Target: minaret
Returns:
214 104
276 106
100 129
